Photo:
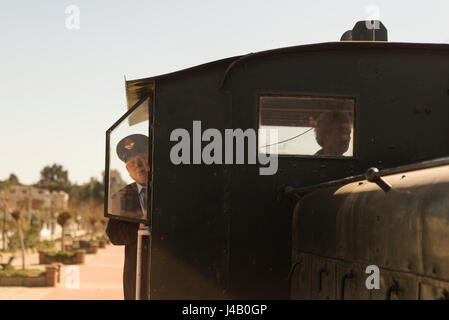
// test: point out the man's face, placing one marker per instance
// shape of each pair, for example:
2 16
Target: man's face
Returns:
337 140
137 167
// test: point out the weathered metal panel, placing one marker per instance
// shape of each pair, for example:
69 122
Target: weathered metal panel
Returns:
396 286
350 282
323 279
300 277
190 246
431 289
403 230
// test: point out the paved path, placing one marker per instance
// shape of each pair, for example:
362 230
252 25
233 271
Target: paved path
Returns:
100 278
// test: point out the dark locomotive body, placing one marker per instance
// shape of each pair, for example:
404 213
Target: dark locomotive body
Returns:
224 231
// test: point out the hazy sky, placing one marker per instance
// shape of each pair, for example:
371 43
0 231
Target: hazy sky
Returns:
61 89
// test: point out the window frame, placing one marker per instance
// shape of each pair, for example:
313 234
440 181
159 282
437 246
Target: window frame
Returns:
146 221
355 138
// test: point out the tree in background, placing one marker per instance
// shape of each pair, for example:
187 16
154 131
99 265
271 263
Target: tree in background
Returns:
54 178
85 200
93 221
115 181
16 217
29 231
62 220
13 179
6 208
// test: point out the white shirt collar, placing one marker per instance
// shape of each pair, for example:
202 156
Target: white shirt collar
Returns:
139 187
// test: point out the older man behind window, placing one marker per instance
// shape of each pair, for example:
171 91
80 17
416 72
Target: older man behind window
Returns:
333 133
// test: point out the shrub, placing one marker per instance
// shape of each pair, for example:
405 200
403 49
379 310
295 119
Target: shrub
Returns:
30 238
10 271
62 254
47 245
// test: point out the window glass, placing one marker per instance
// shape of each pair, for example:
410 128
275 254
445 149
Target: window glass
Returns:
307 125
129 166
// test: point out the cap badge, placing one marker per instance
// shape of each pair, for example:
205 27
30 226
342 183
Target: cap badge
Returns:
129 144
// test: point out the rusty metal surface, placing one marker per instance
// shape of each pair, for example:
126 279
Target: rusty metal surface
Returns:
360 177
404 230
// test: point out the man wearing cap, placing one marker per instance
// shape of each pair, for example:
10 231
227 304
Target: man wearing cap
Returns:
130 201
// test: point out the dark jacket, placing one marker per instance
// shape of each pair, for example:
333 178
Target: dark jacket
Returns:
125 233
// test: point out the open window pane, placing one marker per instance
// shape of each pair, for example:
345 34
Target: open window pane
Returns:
307 125
129 166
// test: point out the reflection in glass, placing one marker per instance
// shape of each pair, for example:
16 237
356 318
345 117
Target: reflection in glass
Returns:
307 125
129 166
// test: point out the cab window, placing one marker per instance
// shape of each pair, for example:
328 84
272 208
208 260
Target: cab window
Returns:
307 125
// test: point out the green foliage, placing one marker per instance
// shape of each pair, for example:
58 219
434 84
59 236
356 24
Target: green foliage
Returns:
115 180
91 192
30 238
47 245
54 178
11 181
55 173
11 271
62 254
63 218
15 215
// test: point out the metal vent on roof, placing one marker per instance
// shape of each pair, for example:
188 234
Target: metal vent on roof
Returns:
369 30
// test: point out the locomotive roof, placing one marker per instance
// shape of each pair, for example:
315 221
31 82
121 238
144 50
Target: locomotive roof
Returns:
138 88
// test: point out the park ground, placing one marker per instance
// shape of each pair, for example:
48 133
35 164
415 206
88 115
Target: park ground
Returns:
100 278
